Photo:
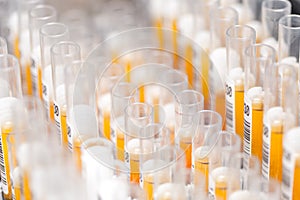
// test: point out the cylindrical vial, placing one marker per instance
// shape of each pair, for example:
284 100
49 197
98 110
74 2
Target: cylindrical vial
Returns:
38 16
50 34
238 38
62 55
258 57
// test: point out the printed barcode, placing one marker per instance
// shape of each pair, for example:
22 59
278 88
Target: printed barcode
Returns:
247 137
286 176
2 166
265 158
229 115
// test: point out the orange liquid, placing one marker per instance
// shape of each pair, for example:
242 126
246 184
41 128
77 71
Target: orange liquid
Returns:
40 85
220 106
296 191
276 151
127 71
221 188
26 187
6 130
51 110
189 65
17 48
186 145
77 153
142 94
120 145
148 186
106 124
64 126
134 168
239 111
159 24
257 130
28 78
175 44
205 80
202 165
17 193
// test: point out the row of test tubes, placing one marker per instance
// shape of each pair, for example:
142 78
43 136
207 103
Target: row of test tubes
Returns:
149 114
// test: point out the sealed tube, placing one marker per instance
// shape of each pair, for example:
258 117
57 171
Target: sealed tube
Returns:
237 39
291 165
209 124
221 19
38 16
137 115
272 11
50 34
289 37
188 103
279 117
259 58
62 54
220 173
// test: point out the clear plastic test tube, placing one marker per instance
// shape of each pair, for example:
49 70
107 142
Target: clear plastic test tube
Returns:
209 124
220 173
123 94
272 11
259 58
291 165
38 16
108 80
188 103
221 19
238 38
23 50
289 37
158 169
137 116
50 34
81 118
279 116
63 54
11 91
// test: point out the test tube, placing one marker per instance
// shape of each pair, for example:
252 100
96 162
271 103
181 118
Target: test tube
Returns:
221 19
38 16
50 34
258 57
110 77
238 38
278 119
272 11
289 37
137 115
11 91
158 169
3 46
209 124
188 103
291 165
62 54
123 94
220 173
22 48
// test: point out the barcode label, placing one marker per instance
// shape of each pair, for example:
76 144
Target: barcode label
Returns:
230 105
57 118
70 136
288 170
266 151
3 165
247 125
